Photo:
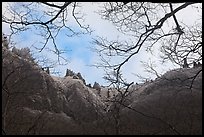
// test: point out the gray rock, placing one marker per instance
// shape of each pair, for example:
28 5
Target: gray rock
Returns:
75 77
69 73
97 86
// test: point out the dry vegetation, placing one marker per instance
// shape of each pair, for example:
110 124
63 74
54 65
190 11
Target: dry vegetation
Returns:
34 102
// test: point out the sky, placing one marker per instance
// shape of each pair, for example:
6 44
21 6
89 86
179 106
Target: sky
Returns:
80 57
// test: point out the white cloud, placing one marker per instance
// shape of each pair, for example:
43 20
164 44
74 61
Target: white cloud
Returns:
105 29
102 27
5 27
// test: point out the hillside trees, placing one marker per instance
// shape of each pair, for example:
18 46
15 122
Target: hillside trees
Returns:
139 20
14 73
143 22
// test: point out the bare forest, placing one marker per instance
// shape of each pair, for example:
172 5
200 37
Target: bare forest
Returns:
35 101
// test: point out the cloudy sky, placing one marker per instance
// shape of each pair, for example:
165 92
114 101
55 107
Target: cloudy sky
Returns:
80 57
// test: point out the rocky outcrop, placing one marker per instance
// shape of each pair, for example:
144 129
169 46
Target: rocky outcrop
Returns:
97 86
69 73
74 75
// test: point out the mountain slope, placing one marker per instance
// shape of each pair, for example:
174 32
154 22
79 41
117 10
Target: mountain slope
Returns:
31 96
168 105
34 102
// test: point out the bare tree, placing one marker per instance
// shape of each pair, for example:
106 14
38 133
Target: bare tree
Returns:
18 70
189 46
144 23
10 70
47 19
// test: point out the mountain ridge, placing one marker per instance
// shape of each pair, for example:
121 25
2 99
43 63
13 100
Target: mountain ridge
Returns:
34 102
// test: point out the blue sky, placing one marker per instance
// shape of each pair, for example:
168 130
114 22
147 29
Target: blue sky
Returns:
80 56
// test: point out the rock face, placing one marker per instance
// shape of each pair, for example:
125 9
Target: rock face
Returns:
74 75
34 102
